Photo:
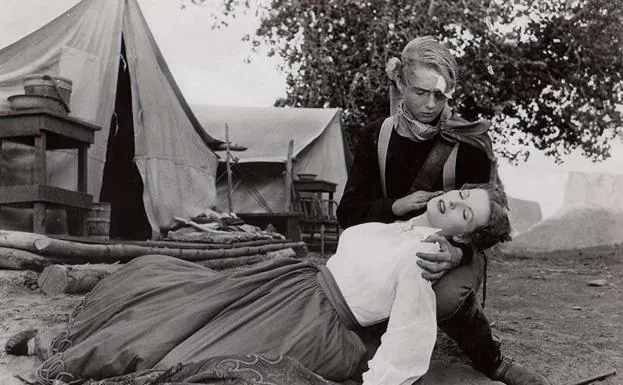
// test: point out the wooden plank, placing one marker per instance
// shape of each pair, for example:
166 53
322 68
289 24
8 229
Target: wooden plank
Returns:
81 132
28 115
65 132
2 163
38 218
83 160
288 176
230 191
18 195
316 185
43 112
18 126
41 171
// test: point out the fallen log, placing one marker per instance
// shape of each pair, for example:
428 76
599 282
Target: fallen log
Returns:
16 259
69 251
245 261
80 279
19 240
168 243
73 279
98 253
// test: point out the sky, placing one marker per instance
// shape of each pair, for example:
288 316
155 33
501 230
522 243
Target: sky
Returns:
209 66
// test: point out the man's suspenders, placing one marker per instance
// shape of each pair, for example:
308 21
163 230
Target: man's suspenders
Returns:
442 153
449 173
382 145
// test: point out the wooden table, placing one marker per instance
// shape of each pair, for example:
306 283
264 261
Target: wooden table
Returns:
45 130
316 186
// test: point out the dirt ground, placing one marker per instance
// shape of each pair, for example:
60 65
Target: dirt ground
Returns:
541 307
548 315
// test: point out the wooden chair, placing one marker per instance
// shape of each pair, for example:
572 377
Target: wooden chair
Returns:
319 223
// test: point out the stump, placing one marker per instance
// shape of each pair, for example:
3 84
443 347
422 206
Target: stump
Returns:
15 259
73 279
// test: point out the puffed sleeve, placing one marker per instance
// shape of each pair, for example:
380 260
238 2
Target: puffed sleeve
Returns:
407 345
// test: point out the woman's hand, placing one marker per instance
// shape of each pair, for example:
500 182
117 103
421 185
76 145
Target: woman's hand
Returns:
414 201
435 265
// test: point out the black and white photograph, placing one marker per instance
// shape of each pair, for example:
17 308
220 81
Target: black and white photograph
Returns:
311 192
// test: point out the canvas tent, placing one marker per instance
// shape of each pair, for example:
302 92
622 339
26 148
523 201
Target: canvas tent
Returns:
258 175
122 84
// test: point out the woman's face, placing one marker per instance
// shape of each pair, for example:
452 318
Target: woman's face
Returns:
423 91
458 212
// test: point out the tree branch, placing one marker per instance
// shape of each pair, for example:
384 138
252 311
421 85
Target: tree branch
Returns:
431 8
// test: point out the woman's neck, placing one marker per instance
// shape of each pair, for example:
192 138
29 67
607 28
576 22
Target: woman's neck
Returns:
420 221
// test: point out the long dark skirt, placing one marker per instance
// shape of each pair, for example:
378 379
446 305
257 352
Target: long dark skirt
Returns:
157 312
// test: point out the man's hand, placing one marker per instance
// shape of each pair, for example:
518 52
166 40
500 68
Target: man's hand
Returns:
435 265
414 201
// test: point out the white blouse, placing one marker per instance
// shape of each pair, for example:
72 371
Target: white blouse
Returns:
375 268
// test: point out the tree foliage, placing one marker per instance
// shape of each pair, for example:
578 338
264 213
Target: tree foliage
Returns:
548 73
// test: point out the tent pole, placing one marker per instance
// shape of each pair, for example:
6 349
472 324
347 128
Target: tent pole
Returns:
228 163
288 205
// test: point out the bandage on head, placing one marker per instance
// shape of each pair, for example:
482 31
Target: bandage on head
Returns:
441 86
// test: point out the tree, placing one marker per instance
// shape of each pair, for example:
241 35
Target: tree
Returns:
548 73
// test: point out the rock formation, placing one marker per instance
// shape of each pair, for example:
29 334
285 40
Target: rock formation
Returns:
591 215
573 227
591 188
523 214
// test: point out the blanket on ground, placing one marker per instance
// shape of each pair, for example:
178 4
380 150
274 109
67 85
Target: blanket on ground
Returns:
241 369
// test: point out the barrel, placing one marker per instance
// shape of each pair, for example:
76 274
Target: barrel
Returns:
98 220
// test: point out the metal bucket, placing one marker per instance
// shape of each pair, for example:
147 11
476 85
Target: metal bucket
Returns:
28 102
38 85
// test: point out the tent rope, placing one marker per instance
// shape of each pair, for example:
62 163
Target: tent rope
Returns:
254 192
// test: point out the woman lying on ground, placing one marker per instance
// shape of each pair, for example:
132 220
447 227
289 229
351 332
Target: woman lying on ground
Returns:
157 312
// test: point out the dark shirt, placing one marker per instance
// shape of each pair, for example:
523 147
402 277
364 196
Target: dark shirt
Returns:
363 199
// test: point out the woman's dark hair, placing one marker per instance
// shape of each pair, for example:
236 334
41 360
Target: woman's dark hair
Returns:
498 227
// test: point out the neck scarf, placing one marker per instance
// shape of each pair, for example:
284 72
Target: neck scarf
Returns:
452 128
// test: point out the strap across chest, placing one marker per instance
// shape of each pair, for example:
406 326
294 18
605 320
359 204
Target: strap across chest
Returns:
441 159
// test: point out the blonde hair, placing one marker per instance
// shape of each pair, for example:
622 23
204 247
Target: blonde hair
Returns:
424 51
